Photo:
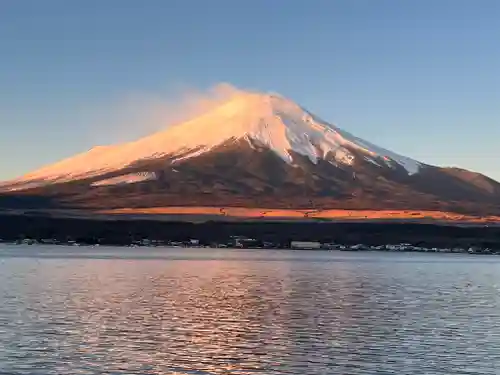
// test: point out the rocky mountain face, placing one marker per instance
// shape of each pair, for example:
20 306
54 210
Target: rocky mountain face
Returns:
255 150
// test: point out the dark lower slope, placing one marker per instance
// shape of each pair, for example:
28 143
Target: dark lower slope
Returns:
240 174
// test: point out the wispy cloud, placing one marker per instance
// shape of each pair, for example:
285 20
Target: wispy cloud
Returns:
138 114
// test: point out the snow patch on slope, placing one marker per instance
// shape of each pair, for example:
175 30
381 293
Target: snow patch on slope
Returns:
410 165
269 119
131 178
372 161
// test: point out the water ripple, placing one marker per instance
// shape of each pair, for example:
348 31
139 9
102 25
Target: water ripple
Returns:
205 315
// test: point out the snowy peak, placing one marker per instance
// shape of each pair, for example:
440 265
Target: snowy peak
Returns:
269 119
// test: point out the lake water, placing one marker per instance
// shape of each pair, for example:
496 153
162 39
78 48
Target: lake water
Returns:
206 311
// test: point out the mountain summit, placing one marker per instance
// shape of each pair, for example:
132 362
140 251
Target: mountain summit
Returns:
270 120
257 150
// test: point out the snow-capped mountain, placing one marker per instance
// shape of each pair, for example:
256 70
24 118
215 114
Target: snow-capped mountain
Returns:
271 120
255 149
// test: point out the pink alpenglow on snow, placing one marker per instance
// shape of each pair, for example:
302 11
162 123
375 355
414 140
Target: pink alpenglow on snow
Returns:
267 119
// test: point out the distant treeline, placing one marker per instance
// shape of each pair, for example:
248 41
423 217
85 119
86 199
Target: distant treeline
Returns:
13 227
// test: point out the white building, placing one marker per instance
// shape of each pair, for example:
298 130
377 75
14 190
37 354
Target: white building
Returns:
305 245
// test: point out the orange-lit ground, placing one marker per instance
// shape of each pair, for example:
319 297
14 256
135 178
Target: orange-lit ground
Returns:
298 214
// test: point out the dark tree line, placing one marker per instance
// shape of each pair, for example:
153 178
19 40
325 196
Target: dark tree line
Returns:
123 231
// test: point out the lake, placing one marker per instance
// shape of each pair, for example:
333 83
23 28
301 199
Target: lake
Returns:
77 310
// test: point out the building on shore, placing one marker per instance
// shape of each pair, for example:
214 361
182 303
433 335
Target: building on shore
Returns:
305 245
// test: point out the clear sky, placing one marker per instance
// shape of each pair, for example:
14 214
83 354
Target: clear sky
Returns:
421 78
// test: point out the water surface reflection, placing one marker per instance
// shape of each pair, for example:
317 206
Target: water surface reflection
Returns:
248 313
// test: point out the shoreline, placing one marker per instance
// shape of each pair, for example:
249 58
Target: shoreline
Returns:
397 249
262 233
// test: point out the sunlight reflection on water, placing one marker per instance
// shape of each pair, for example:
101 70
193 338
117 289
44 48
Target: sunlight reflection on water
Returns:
246 312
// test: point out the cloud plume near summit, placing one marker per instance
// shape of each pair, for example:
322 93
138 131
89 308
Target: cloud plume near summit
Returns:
138 114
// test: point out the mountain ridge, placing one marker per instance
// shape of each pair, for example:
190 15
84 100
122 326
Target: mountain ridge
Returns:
256 150
271 120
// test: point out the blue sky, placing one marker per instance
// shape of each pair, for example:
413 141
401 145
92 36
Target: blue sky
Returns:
421 78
